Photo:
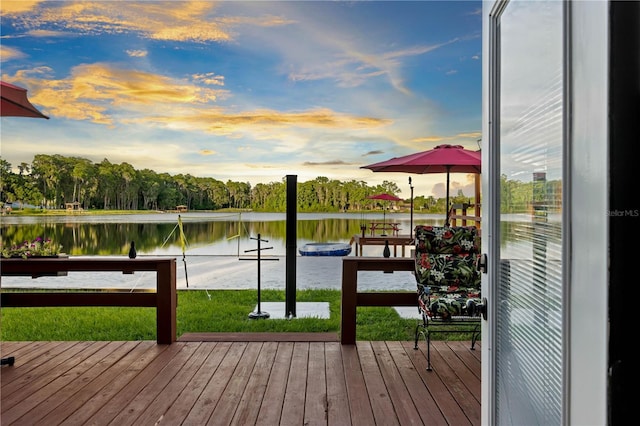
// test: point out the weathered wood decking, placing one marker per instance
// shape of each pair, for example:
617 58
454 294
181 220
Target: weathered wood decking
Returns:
251 380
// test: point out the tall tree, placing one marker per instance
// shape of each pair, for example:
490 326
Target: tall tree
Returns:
83 173
108 185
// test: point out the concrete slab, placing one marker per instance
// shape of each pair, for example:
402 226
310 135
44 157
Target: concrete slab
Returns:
303 309
408 312
321 310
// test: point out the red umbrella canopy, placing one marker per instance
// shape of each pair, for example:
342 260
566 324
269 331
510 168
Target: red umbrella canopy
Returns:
15 102
385 197
441 159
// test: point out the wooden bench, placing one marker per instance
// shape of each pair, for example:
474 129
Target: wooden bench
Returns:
164 299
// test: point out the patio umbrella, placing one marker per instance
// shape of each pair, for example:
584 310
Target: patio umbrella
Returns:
384 197
15 102
441 159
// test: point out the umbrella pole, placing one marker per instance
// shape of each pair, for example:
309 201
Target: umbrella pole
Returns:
446 207
384 220
411 215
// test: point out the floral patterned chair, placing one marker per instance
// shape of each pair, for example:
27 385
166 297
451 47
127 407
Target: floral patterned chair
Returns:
448 281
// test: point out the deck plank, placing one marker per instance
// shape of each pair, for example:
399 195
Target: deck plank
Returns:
236 382
438 388
82 404
173 365
153 413
45 373
271 407
294 398
427 407
359 403
466 376
260 337
212 392
468 356
249 405
27 362
132 384
111 389
337 399
225 409
53 407
469 405
30 398
316 398
23 352
181 407
376 388
403 404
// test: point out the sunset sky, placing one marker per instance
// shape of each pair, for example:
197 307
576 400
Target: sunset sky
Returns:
246 91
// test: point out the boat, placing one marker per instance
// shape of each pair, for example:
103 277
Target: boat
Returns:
325 249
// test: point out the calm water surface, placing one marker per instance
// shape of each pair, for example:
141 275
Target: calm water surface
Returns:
218 245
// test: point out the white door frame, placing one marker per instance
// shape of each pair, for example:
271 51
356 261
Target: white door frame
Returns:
586 214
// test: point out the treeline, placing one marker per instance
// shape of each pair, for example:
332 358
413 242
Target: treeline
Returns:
529 197
51 181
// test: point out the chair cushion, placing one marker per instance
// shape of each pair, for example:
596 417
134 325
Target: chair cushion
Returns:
447 270
450 306
447 256
447 239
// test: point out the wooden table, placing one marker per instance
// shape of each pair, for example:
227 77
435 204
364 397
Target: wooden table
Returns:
164 299
384 226
351 298
400 240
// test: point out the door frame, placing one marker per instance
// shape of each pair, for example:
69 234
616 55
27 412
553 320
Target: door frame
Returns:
585 201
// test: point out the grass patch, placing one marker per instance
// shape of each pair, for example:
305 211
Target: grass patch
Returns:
217 311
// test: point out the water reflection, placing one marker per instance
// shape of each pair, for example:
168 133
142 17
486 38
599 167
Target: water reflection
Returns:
206 234
218 234
216 241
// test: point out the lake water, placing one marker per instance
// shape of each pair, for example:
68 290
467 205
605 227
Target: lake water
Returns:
217 243
217 246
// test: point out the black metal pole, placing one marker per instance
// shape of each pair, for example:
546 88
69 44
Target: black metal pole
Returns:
292 236
259 296
258 313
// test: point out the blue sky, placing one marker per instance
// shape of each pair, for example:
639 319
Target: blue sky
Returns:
246 91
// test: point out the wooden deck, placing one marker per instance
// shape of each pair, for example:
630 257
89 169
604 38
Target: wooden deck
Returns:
240 379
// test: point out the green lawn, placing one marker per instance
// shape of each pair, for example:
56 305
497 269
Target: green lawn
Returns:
199 311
